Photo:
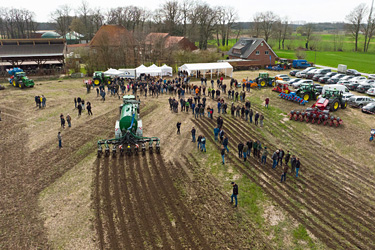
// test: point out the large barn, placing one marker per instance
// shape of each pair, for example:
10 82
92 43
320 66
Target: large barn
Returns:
255 51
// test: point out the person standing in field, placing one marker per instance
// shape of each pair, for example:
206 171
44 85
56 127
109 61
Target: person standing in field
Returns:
287 157
62 121
267 101
223 154
69 119
59 138
298 164
234 193
261 118
88 107
178 127
275 158
264 156
193 134
285 171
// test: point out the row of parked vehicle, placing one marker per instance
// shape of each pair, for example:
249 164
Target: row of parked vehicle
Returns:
345 82
352 79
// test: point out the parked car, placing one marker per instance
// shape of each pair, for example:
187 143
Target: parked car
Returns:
297 84
282 77
343 82
369 108
335 78
363 87
294 80
293 72
317 76
372 76
359 101
331 74
347 78
347 96
324 79
358 79
352 85
353 72
311 73
371 91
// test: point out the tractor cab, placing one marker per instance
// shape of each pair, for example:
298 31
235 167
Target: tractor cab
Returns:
263 75
331 94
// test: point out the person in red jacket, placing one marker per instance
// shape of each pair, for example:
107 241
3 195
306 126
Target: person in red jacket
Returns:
267 102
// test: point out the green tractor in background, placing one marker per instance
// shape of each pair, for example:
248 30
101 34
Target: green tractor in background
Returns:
307 92
264 80
284 63
331 100
19 79
99 78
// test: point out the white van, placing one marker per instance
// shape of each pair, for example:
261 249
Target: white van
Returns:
338 87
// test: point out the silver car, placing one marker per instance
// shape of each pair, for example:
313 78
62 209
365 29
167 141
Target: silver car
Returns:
359 101
371 91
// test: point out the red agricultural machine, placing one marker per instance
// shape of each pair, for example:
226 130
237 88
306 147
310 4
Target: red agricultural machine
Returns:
281 87
315 115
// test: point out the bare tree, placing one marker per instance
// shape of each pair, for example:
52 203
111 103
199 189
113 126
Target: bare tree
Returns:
355 19
206 20
171 15
256 24
306 31
62 18
267 20
368 27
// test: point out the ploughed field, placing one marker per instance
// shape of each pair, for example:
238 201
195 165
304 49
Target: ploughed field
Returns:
69 198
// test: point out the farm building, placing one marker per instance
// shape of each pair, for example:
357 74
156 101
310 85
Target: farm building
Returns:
169 41
251 52
33 54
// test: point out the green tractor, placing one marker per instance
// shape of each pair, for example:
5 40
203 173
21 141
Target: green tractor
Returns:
264 80
19 79
307 92
332 100
283 63
99 78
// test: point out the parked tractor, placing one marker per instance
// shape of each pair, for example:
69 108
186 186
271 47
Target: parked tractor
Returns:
99 78
284 64
281 87
307 92
19 79
264 80
315 115
332 100
128 132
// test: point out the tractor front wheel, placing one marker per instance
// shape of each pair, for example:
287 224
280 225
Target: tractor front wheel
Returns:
344 104
306 97
262 82
335 105
14 83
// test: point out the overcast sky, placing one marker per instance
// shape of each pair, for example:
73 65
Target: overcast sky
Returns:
295 10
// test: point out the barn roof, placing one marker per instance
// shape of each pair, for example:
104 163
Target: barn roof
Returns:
246 46
114 35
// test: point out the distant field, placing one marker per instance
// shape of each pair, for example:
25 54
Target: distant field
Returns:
363 62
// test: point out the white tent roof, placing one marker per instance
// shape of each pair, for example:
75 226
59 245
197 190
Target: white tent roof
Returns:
113 72
166 70
222 67
153 67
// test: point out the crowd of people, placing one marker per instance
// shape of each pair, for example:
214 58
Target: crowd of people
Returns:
40 101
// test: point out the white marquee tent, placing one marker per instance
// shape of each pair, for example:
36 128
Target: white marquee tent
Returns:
113 72
154 70
220 67
166 70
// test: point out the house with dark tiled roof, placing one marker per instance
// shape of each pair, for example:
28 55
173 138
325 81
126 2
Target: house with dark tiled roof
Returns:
255 50
112 36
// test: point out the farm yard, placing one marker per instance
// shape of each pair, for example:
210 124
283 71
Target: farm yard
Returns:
69 199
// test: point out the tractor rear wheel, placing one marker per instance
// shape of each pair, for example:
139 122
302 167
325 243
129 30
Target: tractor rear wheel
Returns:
344 104
273 83
334 105
96 82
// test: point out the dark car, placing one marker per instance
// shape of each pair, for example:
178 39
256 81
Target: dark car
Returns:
317 76
352 86
293 72
353 72
335 78
318 87
324 79
369 108
331 74
362 88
